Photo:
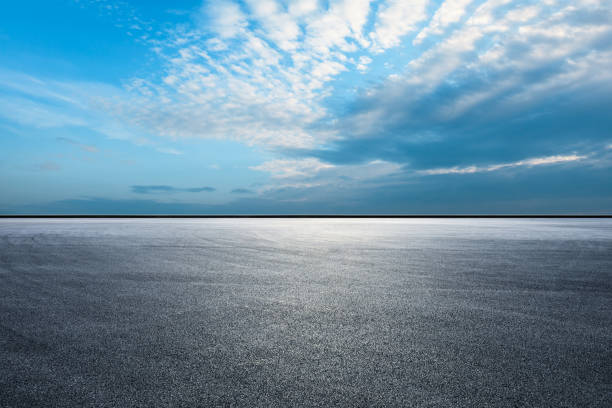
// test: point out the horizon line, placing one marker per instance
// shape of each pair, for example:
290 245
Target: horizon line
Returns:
13 216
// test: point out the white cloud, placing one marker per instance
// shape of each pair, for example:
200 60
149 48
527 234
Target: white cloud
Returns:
435 64
451 11
364 61
311 172
374 169
169 150
280 27
356 12
260 79
538 161
300 8
223 17
394 20
309 168
337 29
293 168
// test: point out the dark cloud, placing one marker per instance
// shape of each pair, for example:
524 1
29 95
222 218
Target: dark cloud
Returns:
242 191
561 123
155 189
198 189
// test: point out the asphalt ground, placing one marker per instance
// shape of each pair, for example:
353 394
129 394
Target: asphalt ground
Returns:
306 312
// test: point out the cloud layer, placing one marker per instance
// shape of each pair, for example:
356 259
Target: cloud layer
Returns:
472 81
353 98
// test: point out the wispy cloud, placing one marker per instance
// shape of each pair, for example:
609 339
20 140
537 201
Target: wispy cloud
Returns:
160 189
395 19
307 174
169 150
292 168
82 146
451 11
538 161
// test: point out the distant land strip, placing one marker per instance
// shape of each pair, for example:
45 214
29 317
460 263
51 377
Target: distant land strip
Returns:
305 216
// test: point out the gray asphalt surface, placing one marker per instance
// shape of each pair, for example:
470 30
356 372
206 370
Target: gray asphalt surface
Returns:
323 312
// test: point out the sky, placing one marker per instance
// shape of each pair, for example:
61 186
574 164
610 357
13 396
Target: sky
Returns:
306 106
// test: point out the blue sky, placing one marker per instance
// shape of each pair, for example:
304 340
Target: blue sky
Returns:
306 106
